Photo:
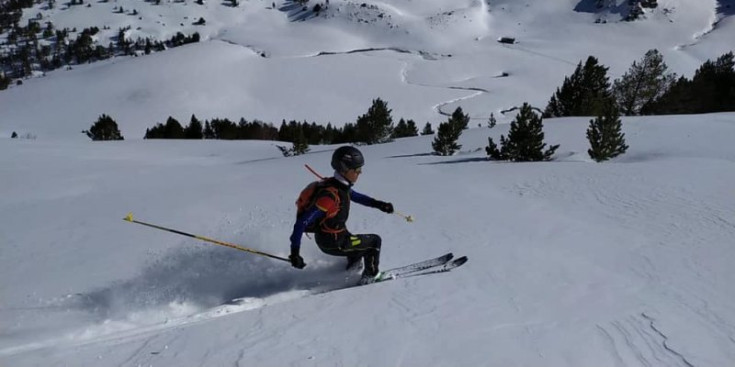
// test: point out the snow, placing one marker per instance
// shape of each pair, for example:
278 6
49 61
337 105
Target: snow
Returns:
572 263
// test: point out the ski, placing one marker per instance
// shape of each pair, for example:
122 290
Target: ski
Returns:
418 266
438 269
437 265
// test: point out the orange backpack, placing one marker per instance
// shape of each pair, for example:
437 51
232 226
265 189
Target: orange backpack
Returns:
307 198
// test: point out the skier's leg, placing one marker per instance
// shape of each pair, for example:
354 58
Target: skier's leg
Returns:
354 247
353 262
368 246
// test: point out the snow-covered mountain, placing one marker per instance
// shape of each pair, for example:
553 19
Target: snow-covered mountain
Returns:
424 59
572 263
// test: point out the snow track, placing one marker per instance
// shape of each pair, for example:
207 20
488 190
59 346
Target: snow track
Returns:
635 340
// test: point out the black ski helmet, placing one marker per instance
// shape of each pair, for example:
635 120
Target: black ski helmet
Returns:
346 158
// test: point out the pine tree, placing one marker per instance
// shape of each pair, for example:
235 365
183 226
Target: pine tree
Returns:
445 142
459 119
491 122
208 133
643 83
712 89
606 139
300 144
405 129
411 129
492 150
582 93
4 81
713 85
104 129
400 128
156 132
173 129
525 140
194 129
678 99
427 130
376 126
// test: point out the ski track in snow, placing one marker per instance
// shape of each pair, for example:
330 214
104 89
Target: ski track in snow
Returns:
480 7
405 78
715 19
111 330
635 340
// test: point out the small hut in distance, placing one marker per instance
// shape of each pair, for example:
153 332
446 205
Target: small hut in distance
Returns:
509 40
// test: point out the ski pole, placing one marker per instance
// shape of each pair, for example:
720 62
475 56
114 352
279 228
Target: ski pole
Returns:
130 219
314 172
408 218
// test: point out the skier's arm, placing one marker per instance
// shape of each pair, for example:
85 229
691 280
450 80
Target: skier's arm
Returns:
370 202
310 216
362 199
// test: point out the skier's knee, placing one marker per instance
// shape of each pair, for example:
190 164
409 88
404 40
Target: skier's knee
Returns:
377 241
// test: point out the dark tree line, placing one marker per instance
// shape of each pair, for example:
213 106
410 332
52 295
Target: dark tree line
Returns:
373 127
312 133
26 54
711 89
646 89
223 129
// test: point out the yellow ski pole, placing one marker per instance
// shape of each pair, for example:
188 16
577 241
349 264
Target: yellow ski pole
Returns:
130 219
408 218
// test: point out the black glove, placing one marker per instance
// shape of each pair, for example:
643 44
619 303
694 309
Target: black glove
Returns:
384 207
296 260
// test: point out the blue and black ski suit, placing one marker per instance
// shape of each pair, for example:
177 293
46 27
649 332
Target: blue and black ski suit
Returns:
327 218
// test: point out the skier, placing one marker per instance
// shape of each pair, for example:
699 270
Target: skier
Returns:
326 207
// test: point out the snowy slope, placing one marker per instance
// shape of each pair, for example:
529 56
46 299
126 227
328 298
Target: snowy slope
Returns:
572 263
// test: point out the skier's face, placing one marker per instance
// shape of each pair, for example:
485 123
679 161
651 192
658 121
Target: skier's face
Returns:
352 174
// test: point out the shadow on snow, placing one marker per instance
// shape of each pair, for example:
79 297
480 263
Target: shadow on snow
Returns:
412 155
462 160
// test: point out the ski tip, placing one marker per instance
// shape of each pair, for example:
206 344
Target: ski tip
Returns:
129 217
459 261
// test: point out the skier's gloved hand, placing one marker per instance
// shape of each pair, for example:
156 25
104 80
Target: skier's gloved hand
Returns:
296 260
384 207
